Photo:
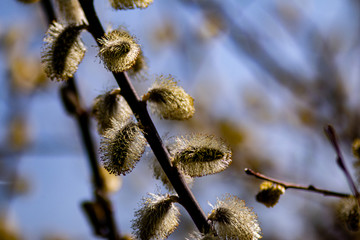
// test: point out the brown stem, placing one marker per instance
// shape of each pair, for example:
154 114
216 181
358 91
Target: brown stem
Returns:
331 134
70 98
288 185
139 109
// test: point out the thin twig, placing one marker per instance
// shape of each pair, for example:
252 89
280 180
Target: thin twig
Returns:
288 185
139 109
331 134
70 98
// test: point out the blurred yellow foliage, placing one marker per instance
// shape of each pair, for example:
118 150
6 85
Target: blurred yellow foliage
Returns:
18 135
112 183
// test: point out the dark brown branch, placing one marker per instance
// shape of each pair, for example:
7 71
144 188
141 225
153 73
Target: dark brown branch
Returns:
70 98
106 222
331 134
138 107
288 185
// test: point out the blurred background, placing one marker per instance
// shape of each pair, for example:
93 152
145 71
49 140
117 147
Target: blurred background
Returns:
266 76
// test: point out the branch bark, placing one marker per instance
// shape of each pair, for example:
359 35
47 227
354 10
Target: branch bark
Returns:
138 107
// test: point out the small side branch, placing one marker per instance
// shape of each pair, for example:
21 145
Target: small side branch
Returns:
288 185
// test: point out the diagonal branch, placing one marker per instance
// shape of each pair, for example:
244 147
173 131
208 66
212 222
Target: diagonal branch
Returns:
139 109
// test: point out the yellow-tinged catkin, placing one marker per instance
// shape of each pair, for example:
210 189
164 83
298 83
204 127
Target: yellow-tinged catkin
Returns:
110 105
157 218
112 183
69 12
121 147
63 51
270 193
201 236
233 220
168 100
138 70
9 229
200 154
130 4
356 148
118 50
349 213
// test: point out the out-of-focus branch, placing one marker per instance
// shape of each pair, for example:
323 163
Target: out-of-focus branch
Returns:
103 222
328 80
138 107
288 185
331 134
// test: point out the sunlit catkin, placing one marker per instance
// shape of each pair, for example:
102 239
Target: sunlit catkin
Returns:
112 183
63 51
130 4
356 148
69 12
121 147
233 220
200 154
349 213
270 193
201 236
169 100
110 105
157 218
118 50
138 70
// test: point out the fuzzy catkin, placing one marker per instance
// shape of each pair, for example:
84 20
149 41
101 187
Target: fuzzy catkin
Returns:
157 218
233 220
118 50
168 100
63 51
200 154
69 12
349 213
201 236
108 106
356 148
139 70
269 193
122 147
130 4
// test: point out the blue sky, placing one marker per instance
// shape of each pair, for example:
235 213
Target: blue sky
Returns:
56 164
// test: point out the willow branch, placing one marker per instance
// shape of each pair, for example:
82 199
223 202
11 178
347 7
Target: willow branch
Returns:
288 185
72 104
138 107
331 134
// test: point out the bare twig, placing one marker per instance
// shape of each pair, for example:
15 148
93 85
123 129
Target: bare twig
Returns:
138 107
288 185
331 134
